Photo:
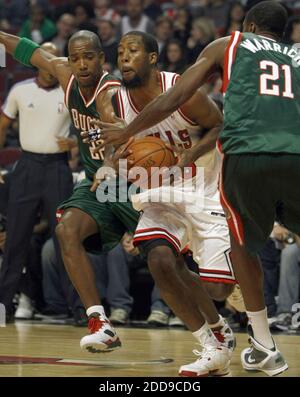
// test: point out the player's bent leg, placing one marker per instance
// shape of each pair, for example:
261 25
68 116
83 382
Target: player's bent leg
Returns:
214 358
218 291
74 227
163 268
217 323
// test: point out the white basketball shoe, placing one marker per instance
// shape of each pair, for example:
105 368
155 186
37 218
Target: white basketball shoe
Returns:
102 338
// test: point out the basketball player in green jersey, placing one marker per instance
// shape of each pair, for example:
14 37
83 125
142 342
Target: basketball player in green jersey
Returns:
261 146
84 223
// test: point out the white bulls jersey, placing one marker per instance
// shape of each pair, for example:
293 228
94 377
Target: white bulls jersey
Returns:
176 130
205 231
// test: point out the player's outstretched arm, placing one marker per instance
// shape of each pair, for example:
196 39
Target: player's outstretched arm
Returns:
29 53
165 104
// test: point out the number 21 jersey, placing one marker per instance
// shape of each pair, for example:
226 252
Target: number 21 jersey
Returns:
262 103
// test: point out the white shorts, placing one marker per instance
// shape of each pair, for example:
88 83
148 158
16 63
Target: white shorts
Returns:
205 233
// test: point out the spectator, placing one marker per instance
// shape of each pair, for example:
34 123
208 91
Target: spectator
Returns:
152 9
173 56
11 138
172 11
202 33
182 25
281 254
65 28
30 287
38 28
103 10
235 19
4 23
41 177
160 312
289 282
292 30
112 279
135 19
84 14
217 11
107 33
163 31
15 12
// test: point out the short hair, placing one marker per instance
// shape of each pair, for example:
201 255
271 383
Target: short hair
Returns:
269 16
149 41
87 35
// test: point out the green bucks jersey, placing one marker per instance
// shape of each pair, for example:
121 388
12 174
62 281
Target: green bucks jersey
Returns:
82 112
262 102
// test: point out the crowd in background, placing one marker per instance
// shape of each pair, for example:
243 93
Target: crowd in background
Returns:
182 28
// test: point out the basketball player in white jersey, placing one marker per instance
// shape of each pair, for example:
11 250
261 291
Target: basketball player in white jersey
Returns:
168 224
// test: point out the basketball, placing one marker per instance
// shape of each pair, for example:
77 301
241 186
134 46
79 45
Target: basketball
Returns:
149 152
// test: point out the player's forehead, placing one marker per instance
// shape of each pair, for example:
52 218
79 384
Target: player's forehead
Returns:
131 40
81 46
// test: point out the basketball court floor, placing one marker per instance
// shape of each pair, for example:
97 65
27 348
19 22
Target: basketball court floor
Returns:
41 350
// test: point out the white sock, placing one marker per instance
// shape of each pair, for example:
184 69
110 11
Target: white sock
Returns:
218 324
205 336
260 326
96 309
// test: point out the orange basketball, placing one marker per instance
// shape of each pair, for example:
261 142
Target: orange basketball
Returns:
149 152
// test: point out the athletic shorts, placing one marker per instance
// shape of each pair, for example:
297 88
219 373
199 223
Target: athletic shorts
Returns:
112 218
256 190
205 233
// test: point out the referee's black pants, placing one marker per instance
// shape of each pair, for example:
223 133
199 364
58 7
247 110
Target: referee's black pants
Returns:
38 181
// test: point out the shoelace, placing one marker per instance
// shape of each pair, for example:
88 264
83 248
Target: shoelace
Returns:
206 352
95 323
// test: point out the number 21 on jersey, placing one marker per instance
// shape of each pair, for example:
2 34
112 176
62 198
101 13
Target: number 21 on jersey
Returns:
269 81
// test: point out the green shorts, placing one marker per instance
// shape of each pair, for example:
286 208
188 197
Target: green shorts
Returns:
113 218
256 190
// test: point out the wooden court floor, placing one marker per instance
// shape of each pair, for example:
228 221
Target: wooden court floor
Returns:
53 350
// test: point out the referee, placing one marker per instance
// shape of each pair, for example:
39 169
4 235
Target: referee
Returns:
42 177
